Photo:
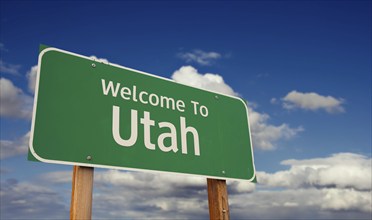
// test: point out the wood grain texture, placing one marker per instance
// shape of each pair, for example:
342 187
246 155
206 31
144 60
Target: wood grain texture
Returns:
81 197
218 200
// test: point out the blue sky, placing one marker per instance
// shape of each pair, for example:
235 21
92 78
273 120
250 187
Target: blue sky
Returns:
304 67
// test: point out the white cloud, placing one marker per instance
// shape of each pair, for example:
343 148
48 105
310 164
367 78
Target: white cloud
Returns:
12 69
132 180
31 76
103 60
170 196
188 75
137 180
309 203
239 187
312 101
200 57
264 134
14 148
26 200
150 195
342 170
346 199
14 103
59 176
140 195
273 101
334 187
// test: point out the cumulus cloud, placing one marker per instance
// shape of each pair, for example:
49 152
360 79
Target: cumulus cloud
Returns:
342 170
143 195
337 187
132 180
149 195
240 187
161 182
103 60
265 135
9 68
31 76
312 101
58 176
200 57
346 199
309 203
14 102
170 196
274 101
14 148
188 75
25 200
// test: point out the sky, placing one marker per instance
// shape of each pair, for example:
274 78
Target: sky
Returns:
303 66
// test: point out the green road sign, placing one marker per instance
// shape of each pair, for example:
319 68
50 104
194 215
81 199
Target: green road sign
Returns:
91 113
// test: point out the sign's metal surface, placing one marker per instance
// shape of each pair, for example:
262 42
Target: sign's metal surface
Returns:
97 114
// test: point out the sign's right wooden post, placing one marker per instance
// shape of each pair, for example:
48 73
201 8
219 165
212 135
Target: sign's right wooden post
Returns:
218 200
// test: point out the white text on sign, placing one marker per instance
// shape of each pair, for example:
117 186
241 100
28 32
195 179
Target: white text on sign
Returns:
154 100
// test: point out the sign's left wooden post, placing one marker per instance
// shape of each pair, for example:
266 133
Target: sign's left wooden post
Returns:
81 196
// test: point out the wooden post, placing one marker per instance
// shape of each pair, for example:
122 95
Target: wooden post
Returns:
218 200
81 197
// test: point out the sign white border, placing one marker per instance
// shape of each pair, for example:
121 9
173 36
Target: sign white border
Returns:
43 52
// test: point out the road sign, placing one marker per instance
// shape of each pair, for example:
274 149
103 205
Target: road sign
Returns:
92 113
